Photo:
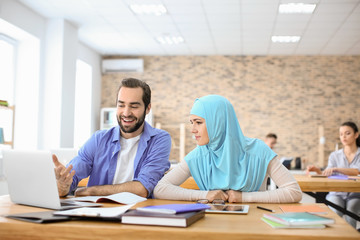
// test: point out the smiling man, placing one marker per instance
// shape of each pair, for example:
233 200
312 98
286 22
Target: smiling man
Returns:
131 157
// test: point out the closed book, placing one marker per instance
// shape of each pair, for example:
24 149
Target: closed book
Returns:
174 208
279 225
298 218
159 219
316 209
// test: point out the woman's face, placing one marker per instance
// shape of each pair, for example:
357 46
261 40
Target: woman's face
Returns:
199 130
348 136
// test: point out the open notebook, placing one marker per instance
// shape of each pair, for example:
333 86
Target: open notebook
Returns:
31 180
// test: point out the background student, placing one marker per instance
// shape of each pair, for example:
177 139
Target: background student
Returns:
131 157
227 165
345 161
271 140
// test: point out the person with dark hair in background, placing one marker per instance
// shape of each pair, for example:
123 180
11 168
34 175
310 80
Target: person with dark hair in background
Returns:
271 140
131 157
345 161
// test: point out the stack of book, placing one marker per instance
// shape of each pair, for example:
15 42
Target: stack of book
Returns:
175 215
296 220
4 103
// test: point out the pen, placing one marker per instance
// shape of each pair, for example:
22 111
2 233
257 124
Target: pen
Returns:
266 209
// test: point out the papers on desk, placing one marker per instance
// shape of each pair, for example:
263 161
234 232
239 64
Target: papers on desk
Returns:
111 213
122 198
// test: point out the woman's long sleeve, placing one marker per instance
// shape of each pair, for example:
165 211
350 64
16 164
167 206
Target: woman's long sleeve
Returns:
288 190
168 186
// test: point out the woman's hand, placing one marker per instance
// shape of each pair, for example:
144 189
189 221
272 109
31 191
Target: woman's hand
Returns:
329 171
313 168
216 194
234 196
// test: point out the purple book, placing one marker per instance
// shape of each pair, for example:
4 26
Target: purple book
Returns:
340 177
174 208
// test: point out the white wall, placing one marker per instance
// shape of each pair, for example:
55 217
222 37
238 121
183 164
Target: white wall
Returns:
56 131
92 58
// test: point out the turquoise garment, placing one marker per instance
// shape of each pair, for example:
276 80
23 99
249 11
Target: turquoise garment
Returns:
230 160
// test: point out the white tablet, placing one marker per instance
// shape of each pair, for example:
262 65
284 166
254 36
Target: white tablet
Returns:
228 208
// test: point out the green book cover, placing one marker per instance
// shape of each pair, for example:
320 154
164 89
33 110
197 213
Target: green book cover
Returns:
298 218
279 225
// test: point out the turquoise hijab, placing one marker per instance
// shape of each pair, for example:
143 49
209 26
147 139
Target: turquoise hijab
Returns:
230 160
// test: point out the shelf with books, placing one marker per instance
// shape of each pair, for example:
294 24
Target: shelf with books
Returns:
8 108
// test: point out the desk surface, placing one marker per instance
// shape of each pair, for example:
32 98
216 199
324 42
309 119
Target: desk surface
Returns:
212 226
311 184
308 184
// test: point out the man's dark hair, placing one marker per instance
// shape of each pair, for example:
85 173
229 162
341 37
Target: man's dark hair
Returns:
271 135
135 83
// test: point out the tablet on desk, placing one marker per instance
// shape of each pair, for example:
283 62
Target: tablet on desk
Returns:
228 208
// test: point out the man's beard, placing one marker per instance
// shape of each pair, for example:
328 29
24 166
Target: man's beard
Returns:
135 127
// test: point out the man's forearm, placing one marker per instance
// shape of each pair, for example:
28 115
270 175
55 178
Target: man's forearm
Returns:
104 190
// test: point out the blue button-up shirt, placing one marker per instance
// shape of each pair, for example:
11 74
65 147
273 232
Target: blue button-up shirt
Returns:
98 158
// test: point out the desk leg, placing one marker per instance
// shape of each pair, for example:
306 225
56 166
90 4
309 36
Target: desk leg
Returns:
320 198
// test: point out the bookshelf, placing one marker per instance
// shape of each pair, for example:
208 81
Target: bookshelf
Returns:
10 108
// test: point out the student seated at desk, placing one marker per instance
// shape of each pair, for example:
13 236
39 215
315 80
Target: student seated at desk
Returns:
345 161
271 140
131 157
227 165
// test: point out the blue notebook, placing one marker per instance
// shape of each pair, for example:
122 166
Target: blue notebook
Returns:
174 208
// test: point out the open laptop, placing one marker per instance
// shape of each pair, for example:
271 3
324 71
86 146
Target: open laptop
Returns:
31 180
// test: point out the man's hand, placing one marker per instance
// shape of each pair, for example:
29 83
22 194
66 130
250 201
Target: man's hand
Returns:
64 176
83 191
234 196
216 194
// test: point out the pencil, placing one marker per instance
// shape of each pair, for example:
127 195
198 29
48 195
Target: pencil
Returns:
266 209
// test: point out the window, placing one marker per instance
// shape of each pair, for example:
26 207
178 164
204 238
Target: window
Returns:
7 73
83 89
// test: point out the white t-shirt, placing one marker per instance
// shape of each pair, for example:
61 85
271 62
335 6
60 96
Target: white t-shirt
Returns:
125 162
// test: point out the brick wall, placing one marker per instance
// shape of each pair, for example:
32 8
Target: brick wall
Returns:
290 96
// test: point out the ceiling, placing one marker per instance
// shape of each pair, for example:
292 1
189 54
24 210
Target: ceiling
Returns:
210 27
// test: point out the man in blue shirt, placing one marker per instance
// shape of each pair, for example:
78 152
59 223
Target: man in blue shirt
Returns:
131 157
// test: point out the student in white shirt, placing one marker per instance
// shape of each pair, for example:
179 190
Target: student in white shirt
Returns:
345 161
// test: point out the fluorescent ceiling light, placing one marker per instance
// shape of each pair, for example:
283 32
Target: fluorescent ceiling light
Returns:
285 39
170 40
296 8
148 9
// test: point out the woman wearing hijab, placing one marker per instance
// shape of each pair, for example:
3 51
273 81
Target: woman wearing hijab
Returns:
227 165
